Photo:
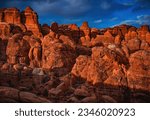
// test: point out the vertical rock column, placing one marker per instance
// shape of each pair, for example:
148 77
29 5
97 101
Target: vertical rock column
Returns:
85 33
12 15
30 19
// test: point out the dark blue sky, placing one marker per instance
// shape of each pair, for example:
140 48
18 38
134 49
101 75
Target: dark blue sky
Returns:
99 13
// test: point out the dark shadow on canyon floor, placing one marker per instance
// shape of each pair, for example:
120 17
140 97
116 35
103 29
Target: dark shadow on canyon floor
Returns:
37 87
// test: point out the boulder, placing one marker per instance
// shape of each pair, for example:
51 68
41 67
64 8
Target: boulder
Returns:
5 29
97 68
66 40
5 66
144 45
97 41
148 37
27 97
144 28
54 27
57 56
105 39
90 99
142 31
131 35
133 45
85 41
94 32
45 29
81 92
37 71
18 67
138 74
108 99
17 50
75 32
9 93
80 67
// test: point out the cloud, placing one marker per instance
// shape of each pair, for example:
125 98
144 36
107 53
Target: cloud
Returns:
140 20
141 5
143 19
143 1
68 8
78 8
113 19
105 5
128 3
71 21
128 22
98 21
64 11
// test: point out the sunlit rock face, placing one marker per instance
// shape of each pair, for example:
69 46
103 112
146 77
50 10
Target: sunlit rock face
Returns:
70 63
30 19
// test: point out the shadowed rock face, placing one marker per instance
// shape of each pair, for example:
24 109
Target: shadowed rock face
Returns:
67 63
5 29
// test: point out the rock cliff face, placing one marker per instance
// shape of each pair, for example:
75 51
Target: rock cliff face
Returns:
17 50
67 63
12 15
30 19
26 20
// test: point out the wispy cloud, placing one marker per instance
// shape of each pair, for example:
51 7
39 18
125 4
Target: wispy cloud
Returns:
62 7
87 10
128 3
105 5
98 21
142 19
113 19
68 21
142 4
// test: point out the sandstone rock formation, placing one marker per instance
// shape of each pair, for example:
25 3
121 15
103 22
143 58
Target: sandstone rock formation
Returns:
57 55
93 69
45 29
5 29
17 50
12 15
67 63
138 74
30 19
14 95
85 33
35 54
54 27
